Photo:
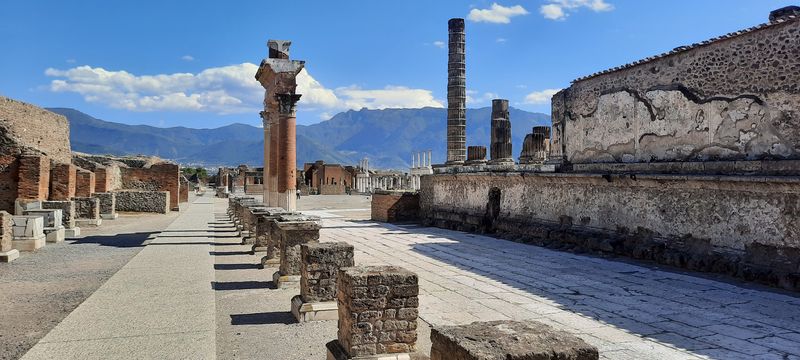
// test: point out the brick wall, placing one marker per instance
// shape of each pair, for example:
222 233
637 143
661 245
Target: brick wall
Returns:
34 177
158 177
395 206
9 173
85 185
63 181
36 128
184 189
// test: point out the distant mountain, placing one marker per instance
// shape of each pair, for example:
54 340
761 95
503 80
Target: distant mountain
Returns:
387 137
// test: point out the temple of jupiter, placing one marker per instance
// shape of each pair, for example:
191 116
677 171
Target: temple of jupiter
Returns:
319 267
377 313
501 149
277 74
456 93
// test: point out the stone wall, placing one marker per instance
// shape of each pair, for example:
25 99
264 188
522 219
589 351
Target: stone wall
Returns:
743 226
86 208
736 98
67 211
63 179
143 201
157 177
108 202
34 177
85 186
331 189
35 128
395 206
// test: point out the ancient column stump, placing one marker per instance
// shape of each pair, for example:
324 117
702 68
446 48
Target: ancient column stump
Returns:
318 272
28 231
377 313
295 230
267 238
7 251
507 340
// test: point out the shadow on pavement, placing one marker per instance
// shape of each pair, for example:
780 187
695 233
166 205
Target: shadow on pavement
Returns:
240 285
120 240
285 318
237 266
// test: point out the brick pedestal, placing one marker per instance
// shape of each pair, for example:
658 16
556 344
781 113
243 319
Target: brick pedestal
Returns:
377 313
318 271
263 231
295 230
510 340
7 251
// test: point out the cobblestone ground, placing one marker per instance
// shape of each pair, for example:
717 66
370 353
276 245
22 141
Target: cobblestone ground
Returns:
628 311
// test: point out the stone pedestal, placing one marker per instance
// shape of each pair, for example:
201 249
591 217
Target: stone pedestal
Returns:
87 211
318 271
67 216
263 223
7 251
53 224
509 340
250 221
377 313
28 231
295 230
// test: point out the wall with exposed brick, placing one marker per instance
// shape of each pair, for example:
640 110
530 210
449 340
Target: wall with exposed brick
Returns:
158 177
107 178
9 174
395 206
85 185
184 189
35 128
63 181
34 177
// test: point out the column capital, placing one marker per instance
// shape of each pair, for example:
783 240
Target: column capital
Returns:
264 115
287 103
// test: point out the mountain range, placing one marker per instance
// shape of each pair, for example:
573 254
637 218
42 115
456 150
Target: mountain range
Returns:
387 137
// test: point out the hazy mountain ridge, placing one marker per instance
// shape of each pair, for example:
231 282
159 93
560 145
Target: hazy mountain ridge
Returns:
387 137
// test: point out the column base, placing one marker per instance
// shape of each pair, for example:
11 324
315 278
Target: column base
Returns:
454 163
273 199
29 244
336 352
503 161
112 216
288 200
88 222
55 235
9 256
72 233
314 311
266 262
285 281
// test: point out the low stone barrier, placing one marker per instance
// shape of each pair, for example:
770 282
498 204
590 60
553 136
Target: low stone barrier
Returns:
295 230
377 313
142 201
28 231
53 224
67 216
7 251
318 271
509 340
108 204
87 211
395 206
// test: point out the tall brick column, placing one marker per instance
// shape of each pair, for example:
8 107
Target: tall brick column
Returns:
34 177
456 93
267 162
287 168
273 163
85 184
501 151
63 180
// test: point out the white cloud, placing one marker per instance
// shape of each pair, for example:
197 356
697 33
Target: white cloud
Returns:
496 14
439 44
540 97
221 90
187 58
560 9
70 61
501 40
476 99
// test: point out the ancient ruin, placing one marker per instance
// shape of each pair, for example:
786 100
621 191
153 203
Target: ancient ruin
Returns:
456 93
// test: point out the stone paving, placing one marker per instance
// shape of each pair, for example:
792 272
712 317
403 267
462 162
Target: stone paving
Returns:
628 311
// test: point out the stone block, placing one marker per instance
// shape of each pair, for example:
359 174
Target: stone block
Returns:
7 251
28 232
318 271
53 223
87 211
294 230
508 340
67 211
377 311
394 206
264 218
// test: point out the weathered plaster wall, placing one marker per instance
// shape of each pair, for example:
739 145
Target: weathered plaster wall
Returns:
731 99
721 222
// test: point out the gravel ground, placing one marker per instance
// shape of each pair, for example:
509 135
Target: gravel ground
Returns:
40 289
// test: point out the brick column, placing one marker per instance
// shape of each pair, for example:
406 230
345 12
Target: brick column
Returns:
63 180
85 183
267 162
377 312
319 267
34 177
287 167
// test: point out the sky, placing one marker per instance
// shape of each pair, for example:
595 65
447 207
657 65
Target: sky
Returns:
192 63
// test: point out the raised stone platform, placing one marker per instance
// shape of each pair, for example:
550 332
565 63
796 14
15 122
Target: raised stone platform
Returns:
28 231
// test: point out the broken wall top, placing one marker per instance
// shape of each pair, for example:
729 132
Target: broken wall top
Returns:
33 129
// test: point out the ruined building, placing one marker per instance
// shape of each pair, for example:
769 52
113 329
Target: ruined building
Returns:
277 74
689 158
328 179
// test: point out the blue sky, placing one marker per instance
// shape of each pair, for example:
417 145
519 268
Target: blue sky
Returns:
191 63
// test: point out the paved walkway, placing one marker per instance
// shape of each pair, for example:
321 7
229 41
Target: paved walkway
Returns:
627 311
158 306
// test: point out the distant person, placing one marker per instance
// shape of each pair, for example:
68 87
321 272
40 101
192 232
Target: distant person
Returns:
298 194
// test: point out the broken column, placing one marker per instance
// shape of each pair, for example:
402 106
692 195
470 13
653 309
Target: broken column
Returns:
318 271
511 340
501 153
263 235
295 230
108 204
277 74
377 313
476 155
536 146
67 216
28 231
7 251
456 93
87 211
54 230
